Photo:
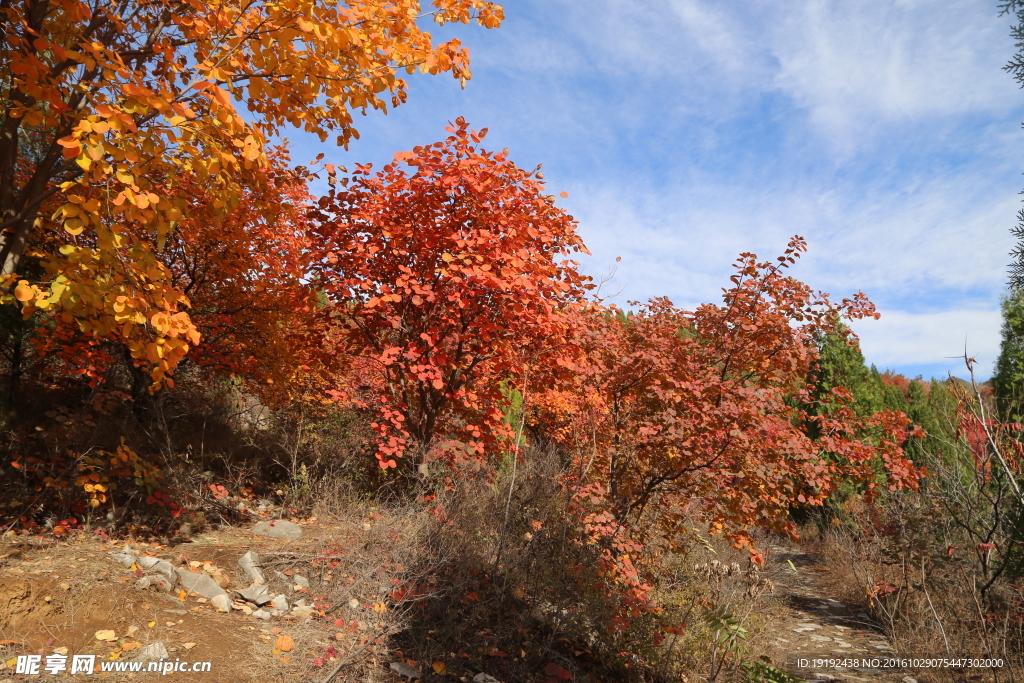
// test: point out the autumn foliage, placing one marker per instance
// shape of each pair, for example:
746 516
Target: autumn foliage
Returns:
423 298
674 416
113 111
447 273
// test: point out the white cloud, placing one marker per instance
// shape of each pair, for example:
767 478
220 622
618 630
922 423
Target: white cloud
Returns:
900 338
853 65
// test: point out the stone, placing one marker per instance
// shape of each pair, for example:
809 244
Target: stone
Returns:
201 584
279 604
484 678
157 565
221 602
403 669
262 614
250 564
257 594
278 528
125 556
157 581
153 652
300 580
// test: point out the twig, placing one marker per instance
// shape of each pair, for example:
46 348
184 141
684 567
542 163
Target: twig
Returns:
348 658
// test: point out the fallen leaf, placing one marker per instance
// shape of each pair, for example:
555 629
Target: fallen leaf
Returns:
275 630
182 595
188 646
151 624
284 643
438 667
60 650
284 660
106 634
129 646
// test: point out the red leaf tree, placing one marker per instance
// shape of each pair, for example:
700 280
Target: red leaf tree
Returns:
443 276
675 418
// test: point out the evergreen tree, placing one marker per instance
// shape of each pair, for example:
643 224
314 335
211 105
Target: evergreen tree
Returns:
1008 378
841 364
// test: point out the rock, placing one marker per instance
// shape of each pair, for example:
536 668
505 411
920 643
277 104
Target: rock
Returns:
250 564
908 679
305 612
299 580
279 604
153 652
403 669
262 614
484 678
157 581
300 603
200 584
257 594
278 528
221 602
160 566
126 556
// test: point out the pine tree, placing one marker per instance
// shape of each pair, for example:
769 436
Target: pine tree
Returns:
1008 378
841 364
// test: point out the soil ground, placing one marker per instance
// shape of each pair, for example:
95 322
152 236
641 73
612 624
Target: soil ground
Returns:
60 594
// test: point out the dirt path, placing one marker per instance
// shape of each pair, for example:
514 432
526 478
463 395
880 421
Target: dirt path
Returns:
816 626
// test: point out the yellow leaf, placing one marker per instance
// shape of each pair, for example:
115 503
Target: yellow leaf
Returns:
284 644
106 635
151 624
438 667
182 595
188 646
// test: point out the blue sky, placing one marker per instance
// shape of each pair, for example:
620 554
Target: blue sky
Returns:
687 131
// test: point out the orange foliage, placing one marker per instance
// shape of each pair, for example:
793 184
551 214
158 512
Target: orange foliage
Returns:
443 279
241 272
674 416
112 112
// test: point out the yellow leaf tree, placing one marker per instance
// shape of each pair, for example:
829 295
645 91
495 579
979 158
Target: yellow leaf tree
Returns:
106 103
